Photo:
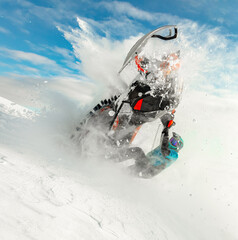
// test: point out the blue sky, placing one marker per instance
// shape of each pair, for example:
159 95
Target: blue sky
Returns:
32 45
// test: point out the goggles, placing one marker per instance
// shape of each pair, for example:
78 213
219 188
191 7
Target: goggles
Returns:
174 142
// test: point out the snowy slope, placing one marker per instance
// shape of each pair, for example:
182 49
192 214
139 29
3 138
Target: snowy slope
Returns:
11 108
48 192
44 201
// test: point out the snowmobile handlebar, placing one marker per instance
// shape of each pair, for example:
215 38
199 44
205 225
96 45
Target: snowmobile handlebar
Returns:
167 120
168 37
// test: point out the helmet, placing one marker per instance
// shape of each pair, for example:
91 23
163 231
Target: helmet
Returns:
176 142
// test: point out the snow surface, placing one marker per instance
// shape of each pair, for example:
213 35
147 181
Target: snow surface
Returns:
49 199
14 109
49 191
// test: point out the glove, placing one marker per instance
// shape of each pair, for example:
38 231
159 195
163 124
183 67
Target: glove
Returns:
167 120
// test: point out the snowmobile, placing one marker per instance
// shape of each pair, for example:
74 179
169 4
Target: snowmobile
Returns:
154 92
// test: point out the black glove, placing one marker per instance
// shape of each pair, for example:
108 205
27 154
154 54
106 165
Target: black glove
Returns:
167 120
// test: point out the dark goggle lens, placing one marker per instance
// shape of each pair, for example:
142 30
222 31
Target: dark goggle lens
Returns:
174 142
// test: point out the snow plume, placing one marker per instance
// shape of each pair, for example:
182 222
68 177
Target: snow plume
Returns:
209 58
100 57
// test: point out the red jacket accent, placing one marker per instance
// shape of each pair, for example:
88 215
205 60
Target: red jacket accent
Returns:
138 105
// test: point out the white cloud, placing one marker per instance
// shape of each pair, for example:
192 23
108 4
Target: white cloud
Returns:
21 13
27 56
28 69
67 56
125 8
43 66
219 20
36 91
66 53
194 3
4 30
82 92
22 92
115 27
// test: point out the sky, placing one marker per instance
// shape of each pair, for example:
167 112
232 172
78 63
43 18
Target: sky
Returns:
31 43
83 41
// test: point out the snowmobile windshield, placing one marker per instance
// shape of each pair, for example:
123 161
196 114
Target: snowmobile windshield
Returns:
161 74
164 33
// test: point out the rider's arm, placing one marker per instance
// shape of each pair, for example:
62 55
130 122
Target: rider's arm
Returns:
165 150
165 142
167 121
